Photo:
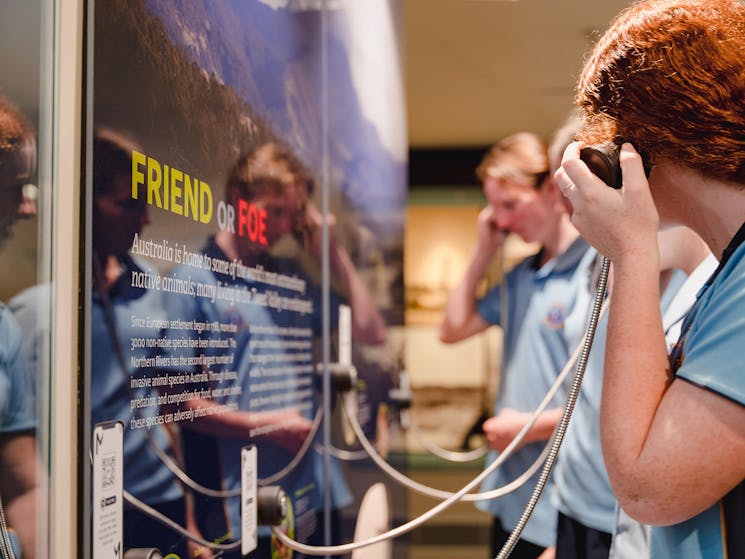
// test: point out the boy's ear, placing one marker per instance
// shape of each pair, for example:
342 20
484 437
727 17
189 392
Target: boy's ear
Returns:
551 188
553 193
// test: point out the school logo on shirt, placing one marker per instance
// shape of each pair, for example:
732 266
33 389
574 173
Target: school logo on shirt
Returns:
555 317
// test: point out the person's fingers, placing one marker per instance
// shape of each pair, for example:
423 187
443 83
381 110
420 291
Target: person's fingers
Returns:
571 152
568 189
563 180
576 170
632 168
565 184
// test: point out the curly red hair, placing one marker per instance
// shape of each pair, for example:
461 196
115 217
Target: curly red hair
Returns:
17 142
669 77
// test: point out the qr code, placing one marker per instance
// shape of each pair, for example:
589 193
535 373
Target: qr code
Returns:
108 467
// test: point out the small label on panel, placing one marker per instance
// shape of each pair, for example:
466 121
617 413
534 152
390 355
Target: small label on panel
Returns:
345 335
345 358
108 474
248 499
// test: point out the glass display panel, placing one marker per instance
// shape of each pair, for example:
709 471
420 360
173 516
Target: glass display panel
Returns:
245 176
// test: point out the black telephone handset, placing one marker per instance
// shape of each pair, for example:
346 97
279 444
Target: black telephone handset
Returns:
602 160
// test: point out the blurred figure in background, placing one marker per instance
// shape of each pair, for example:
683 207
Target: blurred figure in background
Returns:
20 474
115 303
545 312
581 492
275 312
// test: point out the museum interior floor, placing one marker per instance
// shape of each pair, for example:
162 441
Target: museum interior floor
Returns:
443 416
461 531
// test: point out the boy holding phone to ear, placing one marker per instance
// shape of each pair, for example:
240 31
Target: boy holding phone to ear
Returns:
545 310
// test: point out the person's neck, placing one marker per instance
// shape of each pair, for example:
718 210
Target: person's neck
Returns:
712 208
227 243
719 217
562 238
696 254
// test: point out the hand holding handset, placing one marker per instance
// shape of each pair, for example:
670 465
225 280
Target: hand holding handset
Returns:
603 161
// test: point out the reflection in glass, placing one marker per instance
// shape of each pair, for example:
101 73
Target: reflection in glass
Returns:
223 301
24 285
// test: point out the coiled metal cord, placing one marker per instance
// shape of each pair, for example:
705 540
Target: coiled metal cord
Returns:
558 436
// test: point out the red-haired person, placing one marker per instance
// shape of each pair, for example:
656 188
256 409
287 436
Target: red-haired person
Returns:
668 81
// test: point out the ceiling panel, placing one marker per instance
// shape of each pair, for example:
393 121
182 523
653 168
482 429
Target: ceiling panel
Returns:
477 70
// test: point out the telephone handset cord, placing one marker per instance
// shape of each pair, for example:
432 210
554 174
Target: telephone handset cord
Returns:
6 547
568 409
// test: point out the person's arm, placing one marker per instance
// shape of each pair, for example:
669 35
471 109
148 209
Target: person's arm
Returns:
190 519
461 319
548 553
672 449
501 429
368 325
18 487
284 427
654 428
195 549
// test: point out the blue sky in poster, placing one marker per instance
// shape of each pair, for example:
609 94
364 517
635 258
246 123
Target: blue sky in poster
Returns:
271 57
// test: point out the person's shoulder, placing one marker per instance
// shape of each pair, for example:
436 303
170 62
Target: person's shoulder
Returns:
6 317
10 331
528 264
185 271
31 297
735 266
581 253
728 280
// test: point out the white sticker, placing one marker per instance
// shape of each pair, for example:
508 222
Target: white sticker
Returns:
249 536
345 335
108 474
345 358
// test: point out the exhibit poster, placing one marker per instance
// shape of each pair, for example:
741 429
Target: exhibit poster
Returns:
245 180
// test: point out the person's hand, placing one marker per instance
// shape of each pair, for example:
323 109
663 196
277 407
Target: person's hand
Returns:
292 429
490 236
548 553
314 226
501 429
198 551
617 223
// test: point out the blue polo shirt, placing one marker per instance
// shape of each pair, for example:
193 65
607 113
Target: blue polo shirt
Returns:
272 359
16 397
630 538
32 309
145 476
547 314
709 355
582 489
